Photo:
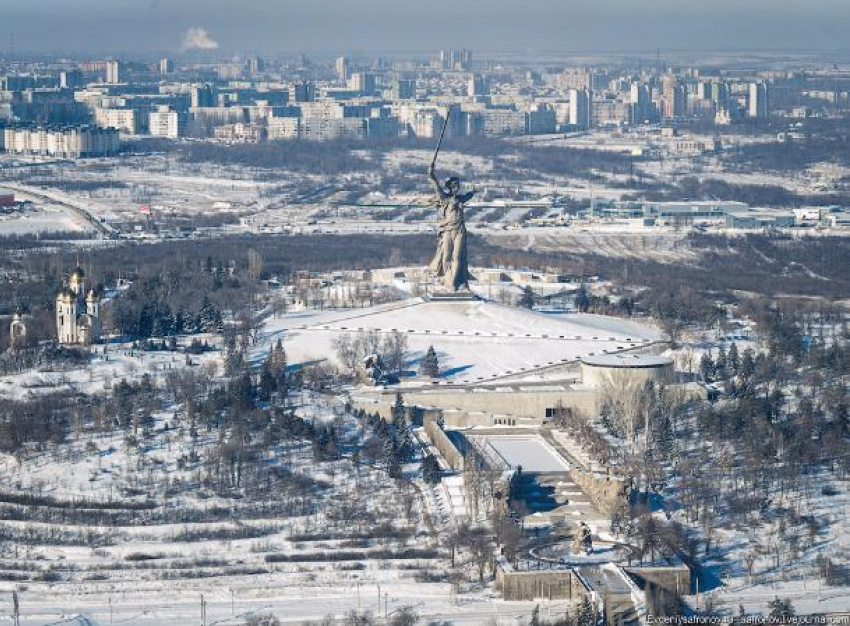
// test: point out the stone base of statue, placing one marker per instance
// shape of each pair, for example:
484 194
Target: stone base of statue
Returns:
464 295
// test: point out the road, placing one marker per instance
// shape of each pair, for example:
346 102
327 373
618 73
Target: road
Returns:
289 609
74 206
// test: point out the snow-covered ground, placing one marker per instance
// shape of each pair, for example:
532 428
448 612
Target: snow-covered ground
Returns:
475 341
105 368
39 217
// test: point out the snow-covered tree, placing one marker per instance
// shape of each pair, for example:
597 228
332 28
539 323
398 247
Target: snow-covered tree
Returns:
781 609
430 364
209 318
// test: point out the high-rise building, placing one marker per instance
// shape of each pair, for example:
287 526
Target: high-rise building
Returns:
70 78
541 120
404 89
124 119
504 121
719 94
641 105
302 92
166 66
426 123
70 142
477 86
343 69
580 108
113 72
575 78
256 65
673 98
201 96
364 83
164 122
456 59
757 104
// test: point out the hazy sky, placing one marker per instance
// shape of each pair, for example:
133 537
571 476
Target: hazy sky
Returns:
349 26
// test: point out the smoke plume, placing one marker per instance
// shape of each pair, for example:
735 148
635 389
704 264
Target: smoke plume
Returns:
197 38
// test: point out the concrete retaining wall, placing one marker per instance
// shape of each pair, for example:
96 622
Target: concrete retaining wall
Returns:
539 584
445 446
606 492
485 407
673 578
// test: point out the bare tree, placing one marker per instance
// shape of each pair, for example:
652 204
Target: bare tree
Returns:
393 352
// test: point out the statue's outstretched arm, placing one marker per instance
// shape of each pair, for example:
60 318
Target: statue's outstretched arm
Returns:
436 183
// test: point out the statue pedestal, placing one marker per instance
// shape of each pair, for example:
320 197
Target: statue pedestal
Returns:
451 296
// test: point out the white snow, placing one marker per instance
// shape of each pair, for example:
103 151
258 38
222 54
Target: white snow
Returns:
475 341
530 452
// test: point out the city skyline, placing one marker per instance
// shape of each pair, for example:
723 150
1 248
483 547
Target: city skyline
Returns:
379 26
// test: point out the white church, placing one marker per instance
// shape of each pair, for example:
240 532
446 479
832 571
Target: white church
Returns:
77 312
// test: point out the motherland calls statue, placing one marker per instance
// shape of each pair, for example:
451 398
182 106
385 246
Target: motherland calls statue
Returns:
450 260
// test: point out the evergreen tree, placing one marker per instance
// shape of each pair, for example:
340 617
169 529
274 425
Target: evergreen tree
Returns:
706 367
526 301
183 323
267 384
399 412
277 367
163 320
666 439
394 465
242 389
720 363
209 318
748 364
781 609
144 326
586 613
733 360
430 469
430 365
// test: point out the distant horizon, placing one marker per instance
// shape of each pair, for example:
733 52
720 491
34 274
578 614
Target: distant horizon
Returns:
765 58
266 27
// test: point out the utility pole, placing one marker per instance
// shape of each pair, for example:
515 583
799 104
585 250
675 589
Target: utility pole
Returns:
203 611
